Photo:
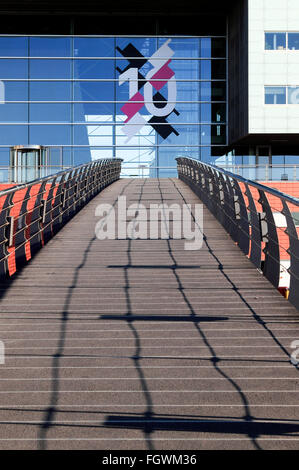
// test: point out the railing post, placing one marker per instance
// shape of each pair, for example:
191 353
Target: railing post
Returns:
293 251
35 222
255 236
4 236
242 218
271 268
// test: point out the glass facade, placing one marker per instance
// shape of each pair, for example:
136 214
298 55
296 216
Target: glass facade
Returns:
144 99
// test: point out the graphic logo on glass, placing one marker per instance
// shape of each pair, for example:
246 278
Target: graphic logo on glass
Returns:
153 86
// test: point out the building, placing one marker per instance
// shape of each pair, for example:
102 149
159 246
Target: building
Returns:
216 81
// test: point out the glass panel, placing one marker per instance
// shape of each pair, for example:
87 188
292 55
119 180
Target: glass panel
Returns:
206 135
50 47
50 135
93 112
213 91
293 41
186 69
50 112
205 47
205 69
94 47
13 47
275 95
205 113
50 68
145 46
188 112
4 159
13 112
13 68
16 91
293 95
93 134
85 155
50 91
275 41
94 91
67 156
13 135
81 155
188 135
86 68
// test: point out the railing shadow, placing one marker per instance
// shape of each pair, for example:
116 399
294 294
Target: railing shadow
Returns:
49 417
149 422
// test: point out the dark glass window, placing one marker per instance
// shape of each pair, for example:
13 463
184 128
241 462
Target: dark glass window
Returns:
218 69
218 47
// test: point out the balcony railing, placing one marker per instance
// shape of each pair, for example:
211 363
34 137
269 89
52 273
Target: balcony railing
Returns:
259 219
32 213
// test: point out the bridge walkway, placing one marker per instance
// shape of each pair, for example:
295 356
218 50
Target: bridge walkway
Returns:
140 344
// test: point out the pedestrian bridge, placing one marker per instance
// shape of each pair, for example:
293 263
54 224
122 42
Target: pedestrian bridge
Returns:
139 343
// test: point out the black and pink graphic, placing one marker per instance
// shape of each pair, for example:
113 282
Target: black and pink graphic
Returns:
158 107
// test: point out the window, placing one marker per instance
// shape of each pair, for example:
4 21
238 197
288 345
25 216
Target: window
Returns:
293 41
293 95
282 41
275 95
275 41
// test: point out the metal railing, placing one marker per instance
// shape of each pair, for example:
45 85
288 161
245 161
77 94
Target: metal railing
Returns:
32 213
249 212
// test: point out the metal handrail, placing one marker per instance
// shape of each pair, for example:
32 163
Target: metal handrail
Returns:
257 185
249 220
49 177
24 230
